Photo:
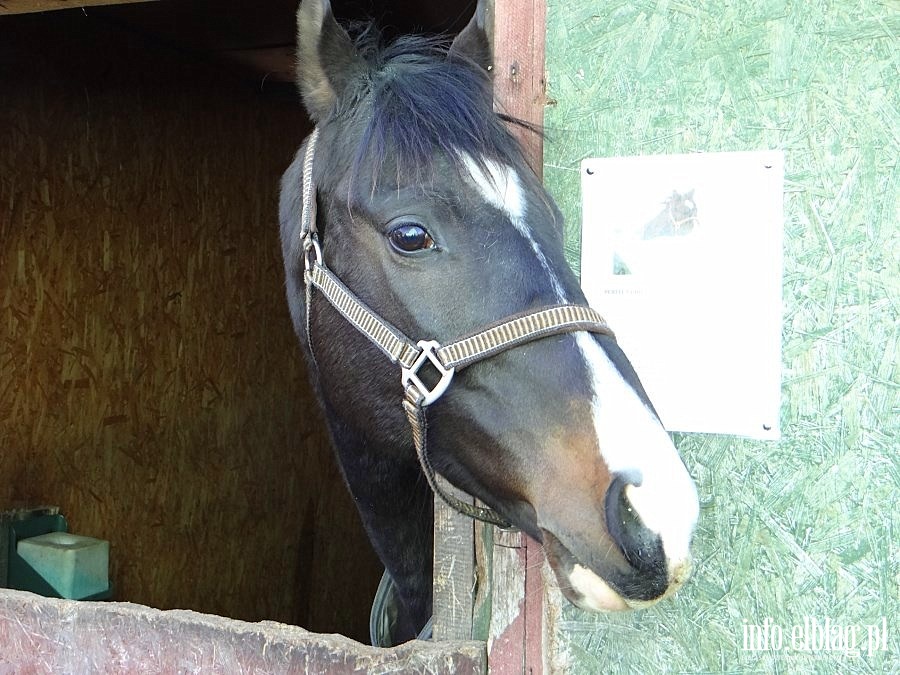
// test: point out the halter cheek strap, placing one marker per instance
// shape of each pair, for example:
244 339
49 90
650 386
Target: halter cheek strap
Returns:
411 356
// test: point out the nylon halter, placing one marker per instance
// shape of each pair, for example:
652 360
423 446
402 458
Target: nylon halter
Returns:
411 355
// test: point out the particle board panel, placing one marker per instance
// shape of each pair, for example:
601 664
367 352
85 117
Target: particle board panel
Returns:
150 381
806 526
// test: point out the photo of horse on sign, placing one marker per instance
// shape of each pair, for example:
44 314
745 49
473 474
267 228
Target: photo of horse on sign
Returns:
677 218
647 246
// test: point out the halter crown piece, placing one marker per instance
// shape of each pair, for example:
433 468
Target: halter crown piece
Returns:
411 356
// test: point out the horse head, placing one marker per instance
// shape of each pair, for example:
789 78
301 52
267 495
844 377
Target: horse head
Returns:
429 213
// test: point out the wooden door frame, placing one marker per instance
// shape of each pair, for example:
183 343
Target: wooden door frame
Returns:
489 583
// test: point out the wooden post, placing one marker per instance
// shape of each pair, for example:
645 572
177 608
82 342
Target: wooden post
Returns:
519 28
510 564
454 568
516 642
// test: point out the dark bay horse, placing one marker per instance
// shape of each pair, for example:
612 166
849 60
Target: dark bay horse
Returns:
423 207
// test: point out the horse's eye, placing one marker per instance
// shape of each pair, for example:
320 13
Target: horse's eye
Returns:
408 236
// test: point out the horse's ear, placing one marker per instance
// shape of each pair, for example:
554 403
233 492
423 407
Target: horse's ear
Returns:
326 58
472 42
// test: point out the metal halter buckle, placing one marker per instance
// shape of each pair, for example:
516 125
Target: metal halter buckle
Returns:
410 376
312 252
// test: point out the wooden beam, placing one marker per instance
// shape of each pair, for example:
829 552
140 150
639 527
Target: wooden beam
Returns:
26 6
507 636
520 27
454 568
519 635
513 563
41 635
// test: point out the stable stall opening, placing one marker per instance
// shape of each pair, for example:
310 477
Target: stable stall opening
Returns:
150 383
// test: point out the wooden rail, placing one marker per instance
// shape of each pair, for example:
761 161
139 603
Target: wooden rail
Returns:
26 6
63 636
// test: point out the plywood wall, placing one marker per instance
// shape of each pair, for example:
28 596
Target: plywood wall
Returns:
804 529
150 384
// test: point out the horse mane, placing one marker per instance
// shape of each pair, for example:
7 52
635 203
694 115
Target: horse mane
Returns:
418 99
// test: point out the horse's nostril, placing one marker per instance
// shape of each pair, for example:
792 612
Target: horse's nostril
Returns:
641 546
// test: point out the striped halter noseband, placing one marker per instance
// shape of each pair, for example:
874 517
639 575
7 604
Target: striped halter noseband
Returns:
412 355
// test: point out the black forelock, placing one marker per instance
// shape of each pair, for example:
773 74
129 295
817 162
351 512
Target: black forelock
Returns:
418 101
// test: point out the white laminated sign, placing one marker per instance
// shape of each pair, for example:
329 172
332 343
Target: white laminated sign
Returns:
683 256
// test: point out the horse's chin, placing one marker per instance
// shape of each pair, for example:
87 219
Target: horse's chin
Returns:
584 588
581 586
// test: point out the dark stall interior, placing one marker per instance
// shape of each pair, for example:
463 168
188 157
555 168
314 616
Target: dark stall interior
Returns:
150 382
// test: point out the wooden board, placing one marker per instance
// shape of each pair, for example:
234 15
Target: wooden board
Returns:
516 640
454 568
26 6
59 636
509 584
519 86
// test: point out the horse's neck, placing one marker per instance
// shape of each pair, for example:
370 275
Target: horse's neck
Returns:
396 508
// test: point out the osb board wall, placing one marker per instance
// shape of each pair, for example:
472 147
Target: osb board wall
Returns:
150 384
804 529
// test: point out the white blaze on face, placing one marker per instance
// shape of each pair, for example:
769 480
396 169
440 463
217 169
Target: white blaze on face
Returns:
633 441
502 189
630 438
